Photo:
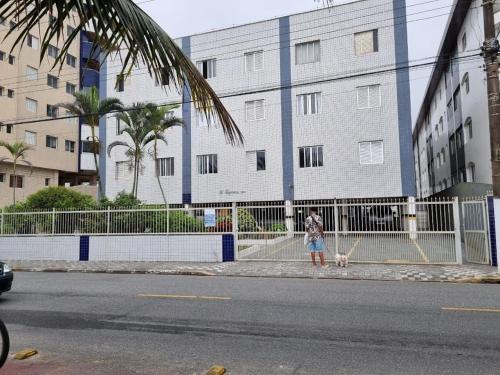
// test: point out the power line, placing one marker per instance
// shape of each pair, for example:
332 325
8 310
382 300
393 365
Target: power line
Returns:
136 74
260 91
304 38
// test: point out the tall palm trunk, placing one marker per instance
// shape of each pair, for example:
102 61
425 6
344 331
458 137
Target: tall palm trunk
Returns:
94 151
15 182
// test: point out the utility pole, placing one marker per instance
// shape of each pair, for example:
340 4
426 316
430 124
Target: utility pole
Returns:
490 51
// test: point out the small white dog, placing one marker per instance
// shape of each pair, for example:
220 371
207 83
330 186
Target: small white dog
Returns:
341 260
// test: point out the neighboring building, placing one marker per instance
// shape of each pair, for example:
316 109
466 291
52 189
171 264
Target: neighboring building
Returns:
90 76
30 90
451 135
323 109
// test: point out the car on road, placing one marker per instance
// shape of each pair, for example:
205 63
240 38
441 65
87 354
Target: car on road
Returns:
6 278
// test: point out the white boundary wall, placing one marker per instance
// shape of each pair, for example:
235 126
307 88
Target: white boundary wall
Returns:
188 248
40 248
203 248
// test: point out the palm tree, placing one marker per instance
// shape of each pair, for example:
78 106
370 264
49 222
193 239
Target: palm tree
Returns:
17 153
90 109
119 27
160 121
139 130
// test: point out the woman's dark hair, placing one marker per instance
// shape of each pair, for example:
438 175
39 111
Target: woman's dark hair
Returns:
314 209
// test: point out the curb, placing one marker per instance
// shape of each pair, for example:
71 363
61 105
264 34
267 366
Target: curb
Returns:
475 280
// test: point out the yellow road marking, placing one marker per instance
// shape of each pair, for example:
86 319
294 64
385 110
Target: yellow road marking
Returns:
283 247
354 247
421 251
471 309
175 296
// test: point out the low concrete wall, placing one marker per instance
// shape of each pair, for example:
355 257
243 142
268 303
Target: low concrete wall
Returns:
147 248
156 248
40 248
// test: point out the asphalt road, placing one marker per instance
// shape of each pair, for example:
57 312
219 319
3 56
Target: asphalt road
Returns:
136 324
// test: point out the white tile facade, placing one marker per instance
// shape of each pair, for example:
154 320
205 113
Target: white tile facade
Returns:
339 126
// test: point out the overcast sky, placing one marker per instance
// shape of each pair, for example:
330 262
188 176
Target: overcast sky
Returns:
426 22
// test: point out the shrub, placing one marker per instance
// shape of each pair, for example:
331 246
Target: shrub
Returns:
60 198
278 227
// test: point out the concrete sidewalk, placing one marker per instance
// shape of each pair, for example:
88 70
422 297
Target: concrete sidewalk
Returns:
387 272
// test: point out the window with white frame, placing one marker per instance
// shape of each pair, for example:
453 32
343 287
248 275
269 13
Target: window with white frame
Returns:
443 155
69 146
464 42
254 110
30 138
165 167
121 170
309 104
366 42
306 53
33 41
311 157
254 61
256 160
208 68
371 152
207 164
471 172
468 130
31 105
368 96
31 73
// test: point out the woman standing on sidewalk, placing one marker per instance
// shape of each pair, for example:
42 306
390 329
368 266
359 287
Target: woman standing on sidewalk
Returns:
315 236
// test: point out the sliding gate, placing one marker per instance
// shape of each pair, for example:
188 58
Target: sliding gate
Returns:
379 231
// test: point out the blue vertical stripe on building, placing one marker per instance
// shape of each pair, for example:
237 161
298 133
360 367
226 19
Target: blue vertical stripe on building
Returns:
84 248
103 88
404 99
186 134
493 234
286 107
228 248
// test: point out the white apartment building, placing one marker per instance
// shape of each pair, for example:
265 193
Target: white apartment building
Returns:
322 99
451 135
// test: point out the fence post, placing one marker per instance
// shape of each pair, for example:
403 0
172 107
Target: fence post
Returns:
1 222
411 218
168 219
458 235
336 224
53 221
235 229
108 220
289 219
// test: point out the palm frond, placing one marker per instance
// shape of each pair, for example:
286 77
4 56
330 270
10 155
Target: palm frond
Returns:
112 145
120 25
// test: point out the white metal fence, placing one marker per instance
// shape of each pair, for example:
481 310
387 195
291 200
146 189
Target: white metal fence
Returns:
109 221
375 230
389 230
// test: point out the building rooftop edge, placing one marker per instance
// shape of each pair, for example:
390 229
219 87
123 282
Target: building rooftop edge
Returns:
269 19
